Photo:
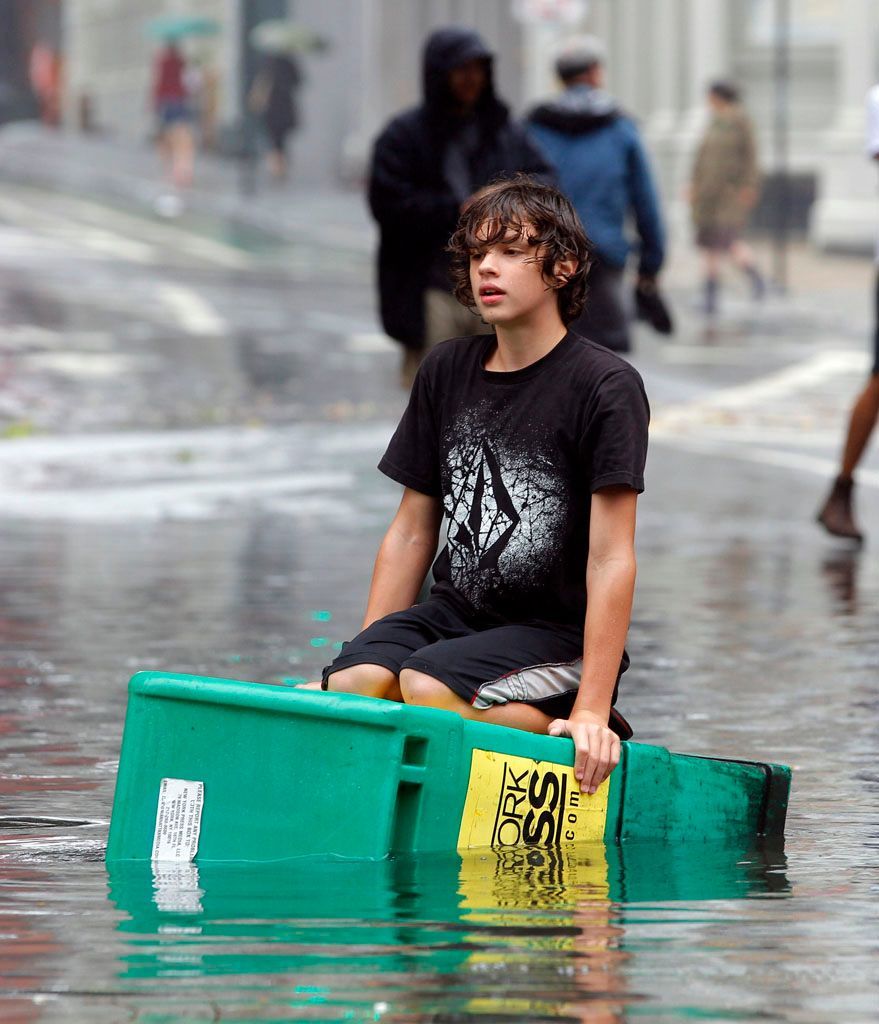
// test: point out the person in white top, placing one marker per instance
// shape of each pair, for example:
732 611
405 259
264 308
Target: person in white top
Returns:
836 515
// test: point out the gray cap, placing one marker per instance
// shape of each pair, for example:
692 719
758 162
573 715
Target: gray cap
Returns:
579 54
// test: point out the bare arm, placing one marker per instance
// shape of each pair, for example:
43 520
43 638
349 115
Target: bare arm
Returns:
404 556
610 585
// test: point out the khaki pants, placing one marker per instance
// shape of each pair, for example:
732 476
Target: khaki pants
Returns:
445 317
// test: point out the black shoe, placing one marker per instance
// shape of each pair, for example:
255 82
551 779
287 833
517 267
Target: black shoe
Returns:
651 307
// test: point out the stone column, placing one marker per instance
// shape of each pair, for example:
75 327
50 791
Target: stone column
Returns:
662 125
846 211
707 55
366 100
230 62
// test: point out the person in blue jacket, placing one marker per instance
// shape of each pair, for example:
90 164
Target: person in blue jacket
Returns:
603 169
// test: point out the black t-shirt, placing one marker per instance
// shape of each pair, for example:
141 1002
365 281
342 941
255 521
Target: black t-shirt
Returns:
515 458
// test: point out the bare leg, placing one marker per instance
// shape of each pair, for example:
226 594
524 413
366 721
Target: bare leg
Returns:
711 263
367 680
425 691
164 149
277 165
742 256
837 514
864 414
182 146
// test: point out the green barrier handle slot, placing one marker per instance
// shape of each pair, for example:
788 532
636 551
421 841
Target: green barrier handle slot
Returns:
409 790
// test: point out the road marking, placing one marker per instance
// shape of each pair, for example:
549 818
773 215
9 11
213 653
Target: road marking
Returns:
85 365
320 438
676 425
135 238
370 342
180 499
77 235
812 372
192 312
723 355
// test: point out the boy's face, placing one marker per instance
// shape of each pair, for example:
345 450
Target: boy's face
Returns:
507 279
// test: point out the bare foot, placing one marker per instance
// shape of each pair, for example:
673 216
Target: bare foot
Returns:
308 686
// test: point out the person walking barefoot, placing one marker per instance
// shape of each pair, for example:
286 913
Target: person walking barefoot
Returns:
837 514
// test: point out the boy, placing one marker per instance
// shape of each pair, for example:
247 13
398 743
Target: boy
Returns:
533 442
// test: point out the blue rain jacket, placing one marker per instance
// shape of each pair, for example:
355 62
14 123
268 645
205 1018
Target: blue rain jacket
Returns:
603 169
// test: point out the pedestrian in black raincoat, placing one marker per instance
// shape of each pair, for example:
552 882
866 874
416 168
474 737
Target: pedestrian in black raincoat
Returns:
426 163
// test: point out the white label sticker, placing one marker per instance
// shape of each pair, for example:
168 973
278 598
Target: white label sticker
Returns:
178 820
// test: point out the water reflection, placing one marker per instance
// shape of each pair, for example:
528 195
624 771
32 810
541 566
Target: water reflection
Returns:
500 935
839 569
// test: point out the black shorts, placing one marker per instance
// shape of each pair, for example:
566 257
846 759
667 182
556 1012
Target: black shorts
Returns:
531 662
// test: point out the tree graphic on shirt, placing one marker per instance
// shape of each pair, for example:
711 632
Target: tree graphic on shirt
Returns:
506 506
483 517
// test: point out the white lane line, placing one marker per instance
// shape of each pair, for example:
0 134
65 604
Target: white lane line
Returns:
78 235
113 232
190 498
319 438
722 355
370 342
811 373
85 365
193 313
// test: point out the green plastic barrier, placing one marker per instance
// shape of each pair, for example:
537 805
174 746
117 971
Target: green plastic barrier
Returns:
224 770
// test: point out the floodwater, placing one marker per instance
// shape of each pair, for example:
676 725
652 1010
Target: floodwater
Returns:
244 551
751 638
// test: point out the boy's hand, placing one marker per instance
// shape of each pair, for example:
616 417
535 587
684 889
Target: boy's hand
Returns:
597 747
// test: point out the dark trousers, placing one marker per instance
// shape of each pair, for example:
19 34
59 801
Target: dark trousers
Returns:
605 318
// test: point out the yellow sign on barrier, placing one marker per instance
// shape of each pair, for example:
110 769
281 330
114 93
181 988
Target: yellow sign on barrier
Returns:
514 801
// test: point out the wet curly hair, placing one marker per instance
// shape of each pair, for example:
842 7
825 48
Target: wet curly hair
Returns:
522 207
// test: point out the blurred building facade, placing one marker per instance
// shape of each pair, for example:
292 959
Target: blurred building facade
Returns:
662 53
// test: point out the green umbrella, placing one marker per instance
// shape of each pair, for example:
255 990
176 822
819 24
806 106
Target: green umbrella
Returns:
174 26
278 36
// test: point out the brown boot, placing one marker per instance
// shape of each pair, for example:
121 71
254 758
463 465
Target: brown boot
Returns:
836 515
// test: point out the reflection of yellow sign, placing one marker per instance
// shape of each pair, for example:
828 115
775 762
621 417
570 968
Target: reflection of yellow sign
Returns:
529 906
514 801
520 881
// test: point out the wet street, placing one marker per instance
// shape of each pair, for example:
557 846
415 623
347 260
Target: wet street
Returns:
190 416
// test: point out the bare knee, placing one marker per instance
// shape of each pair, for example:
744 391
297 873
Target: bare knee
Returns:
366 680
422 689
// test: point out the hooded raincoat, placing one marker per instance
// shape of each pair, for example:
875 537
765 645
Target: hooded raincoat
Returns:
411 195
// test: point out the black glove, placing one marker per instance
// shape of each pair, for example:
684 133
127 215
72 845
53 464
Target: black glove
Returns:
650 306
